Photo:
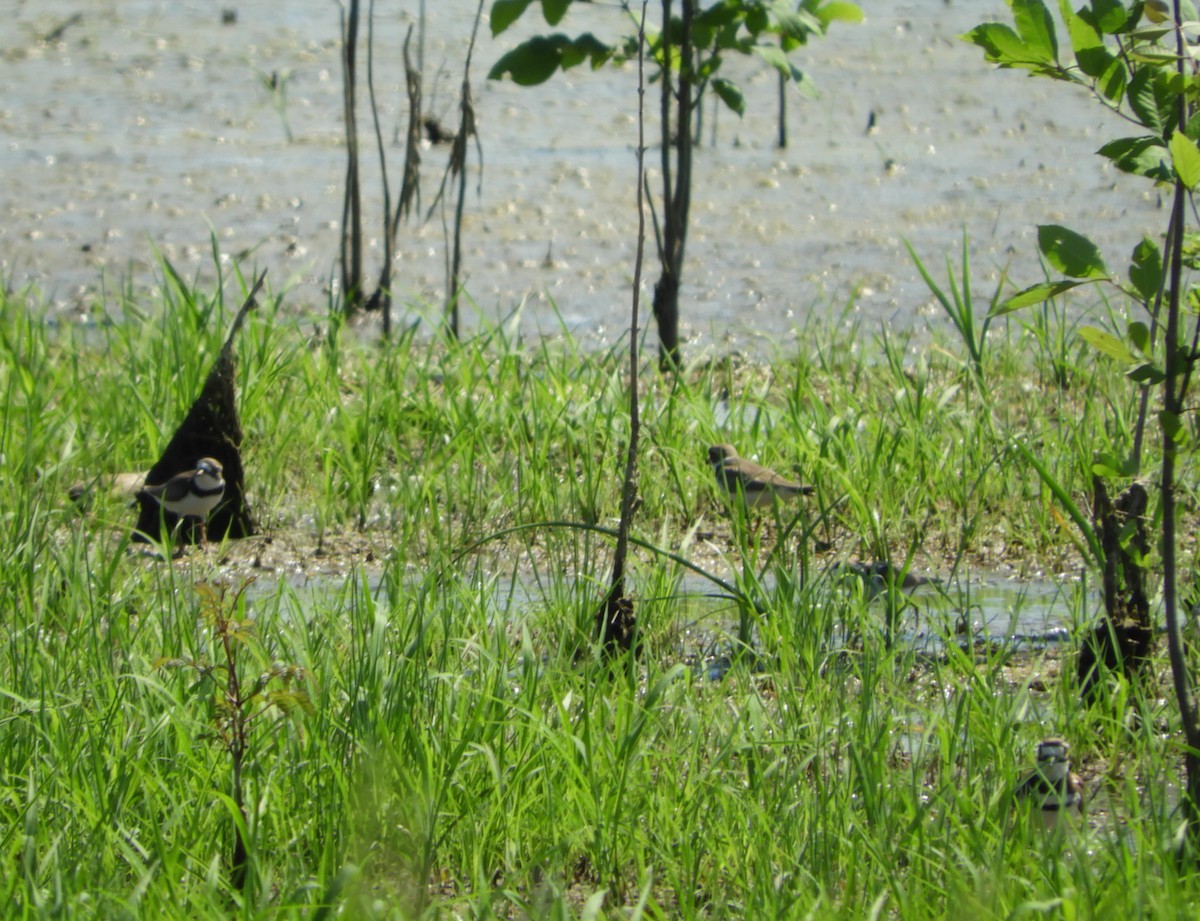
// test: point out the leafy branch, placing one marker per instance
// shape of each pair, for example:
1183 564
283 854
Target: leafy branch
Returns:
1139 61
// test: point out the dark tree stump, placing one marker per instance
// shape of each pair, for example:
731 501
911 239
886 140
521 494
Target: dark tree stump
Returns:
617 623
1122 640
210 429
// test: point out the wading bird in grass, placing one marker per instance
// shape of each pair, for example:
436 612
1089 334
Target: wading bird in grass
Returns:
1051 787
192 494
757 485
880 576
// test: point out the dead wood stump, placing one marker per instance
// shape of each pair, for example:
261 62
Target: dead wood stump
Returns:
1122 640
210 429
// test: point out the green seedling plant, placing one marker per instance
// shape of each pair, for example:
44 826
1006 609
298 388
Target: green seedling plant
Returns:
245 708
689 48
959 307
276 83
1137 60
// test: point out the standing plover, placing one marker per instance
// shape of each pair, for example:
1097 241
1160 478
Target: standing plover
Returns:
192 494
756 484
1051 786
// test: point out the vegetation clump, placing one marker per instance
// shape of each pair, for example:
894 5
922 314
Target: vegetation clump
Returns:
461 746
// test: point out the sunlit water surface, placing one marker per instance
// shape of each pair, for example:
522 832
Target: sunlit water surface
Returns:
149 129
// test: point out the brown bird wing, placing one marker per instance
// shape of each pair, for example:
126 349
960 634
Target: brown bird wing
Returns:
174 490
760 477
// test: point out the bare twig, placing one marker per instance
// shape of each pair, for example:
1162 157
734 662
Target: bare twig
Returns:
57 32
457 167
410 189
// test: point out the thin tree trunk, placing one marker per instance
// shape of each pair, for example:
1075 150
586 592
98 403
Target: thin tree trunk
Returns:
381 297
458 166
677 185
1173 404
783 132
616 620
351 250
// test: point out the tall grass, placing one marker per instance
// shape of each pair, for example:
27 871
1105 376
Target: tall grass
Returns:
465 753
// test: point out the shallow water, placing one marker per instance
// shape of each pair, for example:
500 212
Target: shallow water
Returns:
149 129
1024 613
1021 614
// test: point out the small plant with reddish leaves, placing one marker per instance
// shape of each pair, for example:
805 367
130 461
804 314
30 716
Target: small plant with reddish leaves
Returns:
243 711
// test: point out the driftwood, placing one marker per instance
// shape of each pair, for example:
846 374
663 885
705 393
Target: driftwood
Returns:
1122 640
211 429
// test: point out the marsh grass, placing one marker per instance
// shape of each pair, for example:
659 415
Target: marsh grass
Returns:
467 752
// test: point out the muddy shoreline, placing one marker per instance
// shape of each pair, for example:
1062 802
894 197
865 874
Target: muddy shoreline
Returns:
149 128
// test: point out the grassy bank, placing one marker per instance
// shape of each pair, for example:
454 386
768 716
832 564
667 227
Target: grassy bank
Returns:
428 733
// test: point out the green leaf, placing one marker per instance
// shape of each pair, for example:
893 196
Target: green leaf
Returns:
1107 344
716 28
554 10
719 16
1139 335
730 95
1033 50
1146 373
505 13
1109 16
1191 251
1109 465
1152 34
1143 100
1036 27
999 42
1152 55
1145 269
1097 61
535 61
1071 253
1111 83
289 700
530 63
1082 33
1142 156
1184 356
1185 157
796 24
775 56
838 11
1093 58
1035 294
585 47
757 21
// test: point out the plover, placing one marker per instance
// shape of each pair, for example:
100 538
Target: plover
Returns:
1051 786
756 484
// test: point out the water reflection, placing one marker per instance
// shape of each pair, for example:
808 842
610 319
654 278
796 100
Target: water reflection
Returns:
983 609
